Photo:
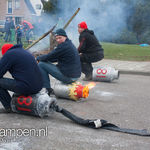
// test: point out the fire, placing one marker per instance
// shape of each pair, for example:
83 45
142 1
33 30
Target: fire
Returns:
85 92
91 85
78 91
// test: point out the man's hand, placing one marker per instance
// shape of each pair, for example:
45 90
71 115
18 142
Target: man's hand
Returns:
80 54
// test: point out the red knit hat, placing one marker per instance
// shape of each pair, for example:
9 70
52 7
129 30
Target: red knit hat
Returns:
6 47
83 25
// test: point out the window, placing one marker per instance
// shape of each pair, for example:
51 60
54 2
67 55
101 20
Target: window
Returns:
10 6
17 4
18 20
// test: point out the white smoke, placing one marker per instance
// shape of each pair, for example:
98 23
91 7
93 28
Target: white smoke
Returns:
107 18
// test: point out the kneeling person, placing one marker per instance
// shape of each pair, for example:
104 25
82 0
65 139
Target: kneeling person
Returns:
89 49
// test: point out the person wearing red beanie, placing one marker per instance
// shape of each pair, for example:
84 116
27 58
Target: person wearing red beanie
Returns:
82 25
27 27
89 49
26 76
6 47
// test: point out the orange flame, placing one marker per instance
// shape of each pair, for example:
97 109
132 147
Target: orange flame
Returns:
85 92
91 85
77 91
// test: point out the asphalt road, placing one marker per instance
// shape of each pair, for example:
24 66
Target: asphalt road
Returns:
124 102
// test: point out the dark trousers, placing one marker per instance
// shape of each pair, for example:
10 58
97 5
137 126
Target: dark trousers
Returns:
19 40
87 59
7 36
5 85
28 35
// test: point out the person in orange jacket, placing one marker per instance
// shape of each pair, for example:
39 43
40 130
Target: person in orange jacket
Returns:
27 27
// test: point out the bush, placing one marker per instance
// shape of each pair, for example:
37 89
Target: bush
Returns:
126 37
145 37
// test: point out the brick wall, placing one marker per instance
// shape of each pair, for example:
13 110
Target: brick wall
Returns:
3 6
23 11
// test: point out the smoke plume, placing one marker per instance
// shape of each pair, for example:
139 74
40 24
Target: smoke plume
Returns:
107 18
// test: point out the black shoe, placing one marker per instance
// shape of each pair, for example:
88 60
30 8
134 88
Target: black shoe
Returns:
50 91
7 110
87 77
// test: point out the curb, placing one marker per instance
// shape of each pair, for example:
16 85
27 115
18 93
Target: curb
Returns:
134 72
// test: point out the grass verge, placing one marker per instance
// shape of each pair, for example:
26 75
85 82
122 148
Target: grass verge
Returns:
126 52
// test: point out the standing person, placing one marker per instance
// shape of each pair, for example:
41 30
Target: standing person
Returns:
12 30
18 34
7 30
23 68
27 27
89 49
68 69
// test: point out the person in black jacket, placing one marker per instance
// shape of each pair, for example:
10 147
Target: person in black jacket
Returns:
7 30
89 49
68 68
26 76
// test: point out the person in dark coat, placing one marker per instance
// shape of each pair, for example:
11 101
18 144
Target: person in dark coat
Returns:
26 76
89 49
68 68
7 30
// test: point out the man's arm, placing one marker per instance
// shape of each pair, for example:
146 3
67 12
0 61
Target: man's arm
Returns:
4 66
52 56
82 45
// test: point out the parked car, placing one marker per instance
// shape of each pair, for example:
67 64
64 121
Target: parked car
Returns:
2 25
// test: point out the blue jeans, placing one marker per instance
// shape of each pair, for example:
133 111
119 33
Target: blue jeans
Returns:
5 85
28 34
49 68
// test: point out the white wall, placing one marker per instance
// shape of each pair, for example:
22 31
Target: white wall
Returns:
36 3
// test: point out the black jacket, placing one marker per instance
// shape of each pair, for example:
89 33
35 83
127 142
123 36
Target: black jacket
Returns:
89 43
67 57
23 68
7 26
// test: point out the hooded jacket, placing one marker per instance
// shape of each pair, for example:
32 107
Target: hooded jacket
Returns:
89 43
27 25
23 68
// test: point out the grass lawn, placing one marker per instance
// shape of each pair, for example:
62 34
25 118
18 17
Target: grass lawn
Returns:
115 51
25 44
126 52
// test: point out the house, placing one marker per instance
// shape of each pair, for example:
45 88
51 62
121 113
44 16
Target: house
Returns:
20 10
38 6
